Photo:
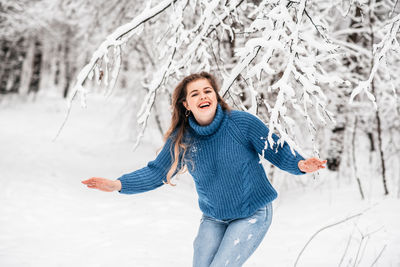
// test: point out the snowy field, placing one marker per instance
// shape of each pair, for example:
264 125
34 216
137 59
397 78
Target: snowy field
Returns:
48 218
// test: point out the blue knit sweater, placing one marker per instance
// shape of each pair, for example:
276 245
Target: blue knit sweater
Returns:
223 160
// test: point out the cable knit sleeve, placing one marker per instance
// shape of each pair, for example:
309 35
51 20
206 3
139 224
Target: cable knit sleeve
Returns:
256 132
151 176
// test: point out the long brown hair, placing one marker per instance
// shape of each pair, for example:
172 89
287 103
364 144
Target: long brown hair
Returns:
179 121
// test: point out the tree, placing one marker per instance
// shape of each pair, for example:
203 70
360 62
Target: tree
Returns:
296 64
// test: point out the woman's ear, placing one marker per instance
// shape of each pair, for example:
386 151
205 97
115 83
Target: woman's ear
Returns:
185 105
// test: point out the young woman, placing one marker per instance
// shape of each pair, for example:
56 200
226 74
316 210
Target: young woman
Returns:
220 147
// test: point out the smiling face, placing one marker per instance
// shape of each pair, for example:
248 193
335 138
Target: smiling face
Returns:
201 100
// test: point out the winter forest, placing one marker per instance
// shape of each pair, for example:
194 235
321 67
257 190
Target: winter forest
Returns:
85 90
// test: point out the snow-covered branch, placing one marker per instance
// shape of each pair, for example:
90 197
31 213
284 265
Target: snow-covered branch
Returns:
380 52
116 39
196 51
283 31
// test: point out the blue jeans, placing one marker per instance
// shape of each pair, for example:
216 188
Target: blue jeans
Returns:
230 242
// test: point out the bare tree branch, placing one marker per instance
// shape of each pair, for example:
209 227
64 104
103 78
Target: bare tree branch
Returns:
379 255
322 229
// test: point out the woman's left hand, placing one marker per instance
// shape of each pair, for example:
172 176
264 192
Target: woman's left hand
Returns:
311 164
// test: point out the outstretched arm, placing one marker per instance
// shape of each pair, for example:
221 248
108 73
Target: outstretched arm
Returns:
145 179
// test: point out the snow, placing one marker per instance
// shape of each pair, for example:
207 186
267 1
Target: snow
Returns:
48 218
252 221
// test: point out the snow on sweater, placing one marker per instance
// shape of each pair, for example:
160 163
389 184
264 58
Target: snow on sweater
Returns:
223 160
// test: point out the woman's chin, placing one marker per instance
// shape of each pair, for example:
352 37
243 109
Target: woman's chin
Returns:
205 117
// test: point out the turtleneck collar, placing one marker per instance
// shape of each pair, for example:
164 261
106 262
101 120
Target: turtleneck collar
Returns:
210 128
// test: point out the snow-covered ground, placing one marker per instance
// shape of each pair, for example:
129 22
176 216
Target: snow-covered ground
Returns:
48 218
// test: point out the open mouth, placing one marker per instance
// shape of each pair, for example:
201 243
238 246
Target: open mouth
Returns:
204 105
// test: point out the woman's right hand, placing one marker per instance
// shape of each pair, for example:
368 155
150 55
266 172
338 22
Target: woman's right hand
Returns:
103 184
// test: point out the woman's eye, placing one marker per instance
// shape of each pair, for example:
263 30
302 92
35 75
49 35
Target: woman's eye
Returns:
195 94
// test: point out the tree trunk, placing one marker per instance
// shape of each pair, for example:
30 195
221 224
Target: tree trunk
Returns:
57 65
26 74
12 55
354 158
380 145
60 71
377 115
371 141
36 68
68 71
48 70
5 55
336 145
398 166
17 66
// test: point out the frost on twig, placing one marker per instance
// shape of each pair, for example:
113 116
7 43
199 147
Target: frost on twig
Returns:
380 54
284 46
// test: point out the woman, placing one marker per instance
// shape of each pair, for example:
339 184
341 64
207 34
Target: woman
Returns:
220 148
